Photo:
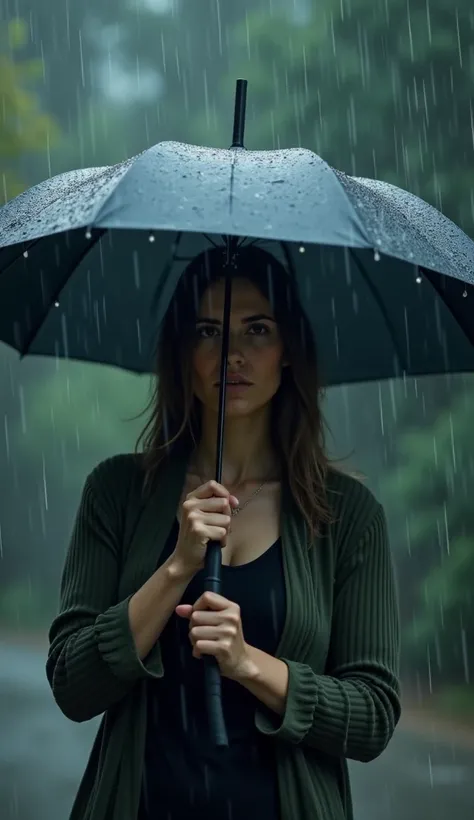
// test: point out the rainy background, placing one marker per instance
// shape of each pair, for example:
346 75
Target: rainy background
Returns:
379 88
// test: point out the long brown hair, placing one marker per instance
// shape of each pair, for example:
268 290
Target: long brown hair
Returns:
297 422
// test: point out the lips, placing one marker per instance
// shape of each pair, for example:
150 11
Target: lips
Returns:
235 381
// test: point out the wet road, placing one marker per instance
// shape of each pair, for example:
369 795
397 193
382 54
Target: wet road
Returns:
42 756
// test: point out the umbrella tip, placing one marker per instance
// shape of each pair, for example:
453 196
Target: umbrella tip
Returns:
239 113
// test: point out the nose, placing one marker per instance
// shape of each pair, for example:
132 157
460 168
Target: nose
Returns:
236 356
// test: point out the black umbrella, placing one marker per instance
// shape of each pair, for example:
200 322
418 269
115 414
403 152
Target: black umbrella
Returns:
90 259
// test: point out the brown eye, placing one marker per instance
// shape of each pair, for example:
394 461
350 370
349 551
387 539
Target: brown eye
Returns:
259 330
206 332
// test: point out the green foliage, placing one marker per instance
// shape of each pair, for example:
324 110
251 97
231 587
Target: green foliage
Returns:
378 89
430 498
456 701
24 127
84 413
24 605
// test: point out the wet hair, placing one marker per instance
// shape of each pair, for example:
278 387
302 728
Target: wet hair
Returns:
297 425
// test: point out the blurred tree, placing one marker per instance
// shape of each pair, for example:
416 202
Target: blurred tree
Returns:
24 128
430 497
185 46
63 33
379 89
81 414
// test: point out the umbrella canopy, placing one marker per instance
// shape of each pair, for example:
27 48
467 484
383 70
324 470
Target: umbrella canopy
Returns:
386 280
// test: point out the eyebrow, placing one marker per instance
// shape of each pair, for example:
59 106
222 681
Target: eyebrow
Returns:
258 317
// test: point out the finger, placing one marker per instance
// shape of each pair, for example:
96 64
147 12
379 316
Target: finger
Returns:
206 617
213 504
184 610
207 648
214 519
209 489
208 633
214 534
211 600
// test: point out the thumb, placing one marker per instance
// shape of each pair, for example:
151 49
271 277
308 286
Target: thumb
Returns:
184 610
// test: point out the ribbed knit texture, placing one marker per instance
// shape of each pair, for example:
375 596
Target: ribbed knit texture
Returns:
349 710
92 659
340 642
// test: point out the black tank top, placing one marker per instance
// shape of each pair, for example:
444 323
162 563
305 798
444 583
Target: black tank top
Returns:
184 775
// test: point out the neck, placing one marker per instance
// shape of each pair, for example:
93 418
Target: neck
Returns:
248 451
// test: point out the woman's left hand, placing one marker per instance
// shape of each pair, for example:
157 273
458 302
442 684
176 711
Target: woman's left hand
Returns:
215 629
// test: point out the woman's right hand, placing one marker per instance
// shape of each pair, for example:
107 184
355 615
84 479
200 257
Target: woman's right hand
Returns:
205 516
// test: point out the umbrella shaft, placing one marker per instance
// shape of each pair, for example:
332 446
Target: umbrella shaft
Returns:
224 358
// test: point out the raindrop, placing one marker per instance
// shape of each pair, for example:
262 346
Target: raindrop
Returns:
7 437
151 238
25 254
376 256
465 655
464 293
418 280
56 304
45 486
302 249
88 234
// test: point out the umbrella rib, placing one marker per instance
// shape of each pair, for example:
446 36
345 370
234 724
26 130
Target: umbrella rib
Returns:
24 352
431 277
211 241
375 293
22 253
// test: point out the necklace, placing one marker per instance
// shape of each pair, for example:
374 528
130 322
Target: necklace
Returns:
241 507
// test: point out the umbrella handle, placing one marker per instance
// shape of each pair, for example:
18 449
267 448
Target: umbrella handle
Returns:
212 675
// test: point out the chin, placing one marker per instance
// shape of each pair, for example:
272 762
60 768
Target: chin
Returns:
238 407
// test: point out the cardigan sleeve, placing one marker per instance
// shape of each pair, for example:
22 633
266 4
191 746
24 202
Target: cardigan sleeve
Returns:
92 661
352 710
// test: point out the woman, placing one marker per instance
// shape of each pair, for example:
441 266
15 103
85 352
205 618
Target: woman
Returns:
306 630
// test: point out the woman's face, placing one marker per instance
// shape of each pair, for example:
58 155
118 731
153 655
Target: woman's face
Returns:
255 349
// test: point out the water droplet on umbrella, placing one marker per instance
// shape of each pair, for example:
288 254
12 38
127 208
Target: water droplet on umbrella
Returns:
376 256
25 254
151 238
88 234
464 294
418 280
302 249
